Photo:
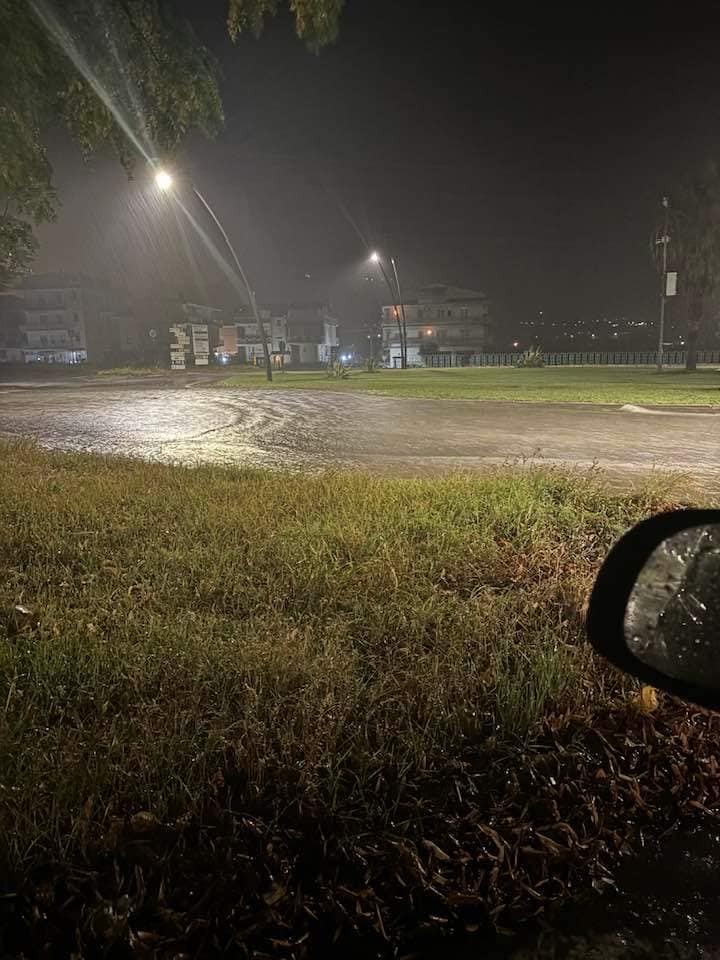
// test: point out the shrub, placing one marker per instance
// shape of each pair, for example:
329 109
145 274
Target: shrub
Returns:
533 357
337 370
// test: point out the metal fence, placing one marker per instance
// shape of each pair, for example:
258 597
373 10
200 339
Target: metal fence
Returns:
630 358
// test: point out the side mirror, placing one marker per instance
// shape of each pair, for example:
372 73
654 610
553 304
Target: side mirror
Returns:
655 606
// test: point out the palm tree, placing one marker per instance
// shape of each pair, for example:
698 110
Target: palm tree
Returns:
694 251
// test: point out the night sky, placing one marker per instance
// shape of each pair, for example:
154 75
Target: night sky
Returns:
518 149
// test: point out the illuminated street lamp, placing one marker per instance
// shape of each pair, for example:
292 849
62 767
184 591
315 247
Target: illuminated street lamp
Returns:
164 182
163 179
395 293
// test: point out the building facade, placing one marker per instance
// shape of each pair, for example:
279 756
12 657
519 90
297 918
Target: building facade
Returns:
12 318
441 319
298 335
71 319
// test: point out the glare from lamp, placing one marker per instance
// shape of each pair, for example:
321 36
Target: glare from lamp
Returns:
163 180
374 256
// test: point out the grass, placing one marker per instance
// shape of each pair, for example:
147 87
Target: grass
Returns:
302 716
130 372
317 628
615 385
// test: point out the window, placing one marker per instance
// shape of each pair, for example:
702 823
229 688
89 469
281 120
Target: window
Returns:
421 313
58 318
240 331
76 318
464 313
43 318
449 313
43 341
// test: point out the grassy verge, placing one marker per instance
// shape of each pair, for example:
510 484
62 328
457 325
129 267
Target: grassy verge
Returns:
638 385
349 680
131 372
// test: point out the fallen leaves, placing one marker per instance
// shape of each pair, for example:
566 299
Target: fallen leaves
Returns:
497 839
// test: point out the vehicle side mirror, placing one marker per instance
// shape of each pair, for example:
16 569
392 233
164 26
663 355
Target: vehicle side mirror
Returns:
655 606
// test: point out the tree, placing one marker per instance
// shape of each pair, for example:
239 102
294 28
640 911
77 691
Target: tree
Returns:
694 251
316 21
135 78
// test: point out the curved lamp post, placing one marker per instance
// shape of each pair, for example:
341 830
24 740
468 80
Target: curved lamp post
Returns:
164 182
396 295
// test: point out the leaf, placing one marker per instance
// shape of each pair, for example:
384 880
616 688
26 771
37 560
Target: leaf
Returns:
646 700
435 850
275 895
144 822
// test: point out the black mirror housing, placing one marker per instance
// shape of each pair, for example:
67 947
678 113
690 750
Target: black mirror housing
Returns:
611 594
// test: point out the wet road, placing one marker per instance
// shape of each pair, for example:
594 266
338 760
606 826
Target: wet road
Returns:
302 429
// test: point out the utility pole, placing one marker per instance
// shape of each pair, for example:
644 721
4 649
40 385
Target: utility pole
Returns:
664 240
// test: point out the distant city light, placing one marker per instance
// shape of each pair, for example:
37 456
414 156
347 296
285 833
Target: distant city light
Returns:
374 256
429 333
516 343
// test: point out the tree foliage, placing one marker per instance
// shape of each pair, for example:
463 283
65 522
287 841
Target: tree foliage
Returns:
694 250
125 73
316 21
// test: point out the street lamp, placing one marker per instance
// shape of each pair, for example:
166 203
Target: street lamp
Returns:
396 294
164 181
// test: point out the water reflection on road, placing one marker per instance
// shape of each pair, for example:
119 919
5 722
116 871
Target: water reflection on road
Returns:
301 429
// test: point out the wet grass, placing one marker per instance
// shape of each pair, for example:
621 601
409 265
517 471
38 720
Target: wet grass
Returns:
614 385
312 630
130 372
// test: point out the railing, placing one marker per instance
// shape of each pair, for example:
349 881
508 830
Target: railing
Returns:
631 358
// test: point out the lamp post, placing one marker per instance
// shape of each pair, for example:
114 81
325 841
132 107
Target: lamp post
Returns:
397 297
402 309
164 182
664 240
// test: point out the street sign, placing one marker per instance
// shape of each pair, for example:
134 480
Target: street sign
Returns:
671 284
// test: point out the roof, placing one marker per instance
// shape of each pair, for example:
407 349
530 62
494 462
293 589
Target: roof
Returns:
444 293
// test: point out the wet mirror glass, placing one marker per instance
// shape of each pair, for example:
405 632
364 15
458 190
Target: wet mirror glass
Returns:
672 621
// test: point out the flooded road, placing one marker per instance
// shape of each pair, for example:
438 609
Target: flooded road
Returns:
306 430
